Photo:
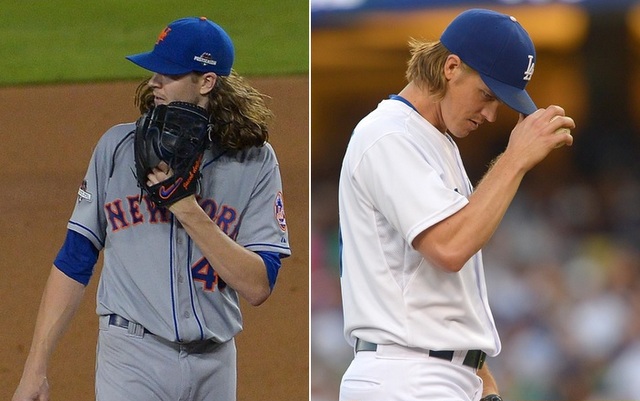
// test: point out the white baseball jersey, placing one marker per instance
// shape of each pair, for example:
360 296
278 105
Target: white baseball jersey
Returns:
153 273
399 177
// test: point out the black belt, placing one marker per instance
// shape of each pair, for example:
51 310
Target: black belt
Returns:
119 321
474 358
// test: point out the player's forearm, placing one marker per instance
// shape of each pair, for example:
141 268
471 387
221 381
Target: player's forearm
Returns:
60 301
489 385
491 199
453 241
241 269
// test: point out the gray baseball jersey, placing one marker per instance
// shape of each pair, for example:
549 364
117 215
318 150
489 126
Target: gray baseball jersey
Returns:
153 273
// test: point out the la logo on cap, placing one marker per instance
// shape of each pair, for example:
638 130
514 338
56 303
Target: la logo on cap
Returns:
529 72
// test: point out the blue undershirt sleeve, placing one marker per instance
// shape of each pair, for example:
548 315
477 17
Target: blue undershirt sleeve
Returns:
77 257
273 263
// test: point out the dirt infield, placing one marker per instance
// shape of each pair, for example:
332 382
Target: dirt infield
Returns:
48 133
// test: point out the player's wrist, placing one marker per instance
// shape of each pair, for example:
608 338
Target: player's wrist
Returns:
36 363
491 397
185 206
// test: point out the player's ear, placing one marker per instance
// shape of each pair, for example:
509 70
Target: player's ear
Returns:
207 83
452 63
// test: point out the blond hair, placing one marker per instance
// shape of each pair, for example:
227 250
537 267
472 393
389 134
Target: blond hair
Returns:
426 66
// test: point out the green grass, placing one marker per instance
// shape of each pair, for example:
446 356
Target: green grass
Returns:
72 40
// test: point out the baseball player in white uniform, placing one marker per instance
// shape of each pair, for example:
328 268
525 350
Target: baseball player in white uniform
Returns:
412 226
168 297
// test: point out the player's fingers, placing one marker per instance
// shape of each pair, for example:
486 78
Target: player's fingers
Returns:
151 180
558 122
538 114
569 141
155 176
159 174
164 167
563 137
552 111
561 127
163 171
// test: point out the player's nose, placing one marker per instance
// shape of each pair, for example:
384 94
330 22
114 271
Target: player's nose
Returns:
490 112
154 81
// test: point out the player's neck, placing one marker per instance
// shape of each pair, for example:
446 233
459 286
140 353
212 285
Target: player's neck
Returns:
424 104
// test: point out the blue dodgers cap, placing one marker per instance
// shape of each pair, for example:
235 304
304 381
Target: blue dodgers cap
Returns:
499 49
187 45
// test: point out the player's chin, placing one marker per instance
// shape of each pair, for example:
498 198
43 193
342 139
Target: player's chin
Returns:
460 133
465 129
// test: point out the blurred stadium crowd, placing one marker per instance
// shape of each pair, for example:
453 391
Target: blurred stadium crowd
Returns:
563 272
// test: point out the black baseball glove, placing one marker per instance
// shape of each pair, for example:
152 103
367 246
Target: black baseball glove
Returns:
177 134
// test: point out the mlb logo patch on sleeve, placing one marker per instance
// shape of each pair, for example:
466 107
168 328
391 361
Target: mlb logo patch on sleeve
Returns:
82 192
279 212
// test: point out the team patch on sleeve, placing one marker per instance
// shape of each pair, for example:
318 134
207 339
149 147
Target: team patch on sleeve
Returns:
279 212
82 192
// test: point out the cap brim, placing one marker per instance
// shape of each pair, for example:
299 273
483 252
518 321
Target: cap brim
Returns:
516 98
154 63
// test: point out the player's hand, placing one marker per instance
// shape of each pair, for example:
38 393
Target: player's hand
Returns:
32 389
159 173
536 135
163 172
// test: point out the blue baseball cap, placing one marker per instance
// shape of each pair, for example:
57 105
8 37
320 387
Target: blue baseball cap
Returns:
499 49
187 45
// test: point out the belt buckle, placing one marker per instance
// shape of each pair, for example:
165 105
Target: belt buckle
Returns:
135 329
483 357
475 359
362 345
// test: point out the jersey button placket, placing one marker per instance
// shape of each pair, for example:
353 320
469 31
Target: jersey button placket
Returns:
182 285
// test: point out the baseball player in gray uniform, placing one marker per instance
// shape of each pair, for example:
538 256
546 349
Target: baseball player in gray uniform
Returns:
412 226
168 296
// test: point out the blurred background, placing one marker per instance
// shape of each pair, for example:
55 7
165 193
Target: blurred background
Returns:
563 270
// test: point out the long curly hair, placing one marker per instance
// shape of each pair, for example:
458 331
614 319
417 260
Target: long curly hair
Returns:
238 112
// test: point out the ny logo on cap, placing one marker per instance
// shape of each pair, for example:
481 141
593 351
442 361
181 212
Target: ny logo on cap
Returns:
163 34
529 72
